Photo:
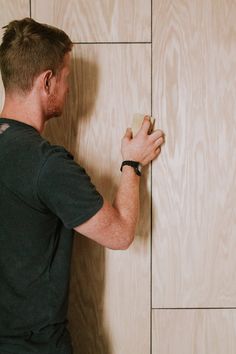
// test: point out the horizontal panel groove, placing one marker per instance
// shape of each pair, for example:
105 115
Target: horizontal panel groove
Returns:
112 42
193 308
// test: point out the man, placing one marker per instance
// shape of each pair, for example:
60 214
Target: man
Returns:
45 195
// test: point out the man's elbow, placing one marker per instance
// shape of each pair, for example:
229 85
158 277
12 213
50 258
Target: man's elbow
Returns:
130 240
125 242
123 235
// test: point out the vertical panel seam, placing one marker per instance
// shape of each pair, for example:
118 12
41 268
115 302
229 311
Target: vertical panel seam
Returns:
151 212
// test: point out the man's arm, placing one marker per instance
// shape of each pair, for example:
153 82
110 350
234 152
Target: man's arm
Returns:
113 226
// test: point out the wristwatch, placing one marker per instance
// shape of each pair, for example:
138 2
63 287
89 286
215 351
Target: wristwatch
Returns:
136 165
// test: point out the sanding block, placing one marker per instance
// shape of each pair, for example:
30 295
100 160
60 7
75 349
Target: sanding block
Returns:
137 123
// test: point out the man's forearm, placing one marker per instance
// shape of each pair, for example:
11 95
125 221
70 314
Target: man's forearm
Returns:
126 201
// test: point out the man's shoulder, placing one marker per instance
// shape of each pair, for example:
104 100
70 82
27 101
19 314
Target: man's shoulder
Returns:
50 151
24 140
36 147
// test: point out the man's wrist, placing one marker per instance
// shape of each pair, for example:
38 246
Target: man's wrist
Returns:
129 171
133 165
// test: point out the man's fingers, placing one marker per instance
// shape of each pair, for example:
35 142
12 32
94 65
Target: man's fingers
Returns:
145 125
158 151
155 153
128 133
156 135
158 142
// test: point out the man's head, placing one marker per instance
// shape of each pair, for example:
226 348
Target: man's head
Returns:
36 55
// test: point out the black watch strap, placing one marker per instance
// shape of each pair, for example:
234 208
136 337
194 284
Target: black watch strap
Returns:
136 165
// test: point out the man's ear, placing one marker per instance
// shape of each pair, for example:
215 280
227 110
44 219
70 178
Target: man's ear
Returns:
47 81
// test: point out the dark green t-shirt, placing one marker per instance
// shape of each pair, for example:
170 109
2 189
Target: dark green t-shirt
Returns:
44 194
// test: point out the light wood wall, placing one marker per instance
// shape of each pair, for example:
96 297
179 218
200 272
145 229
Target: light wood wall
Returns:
172 291
97 21
194 194
194 331
106 308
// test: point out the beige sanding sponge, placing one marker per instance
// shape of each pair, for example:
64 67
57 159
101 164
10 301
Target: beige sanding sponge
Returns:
137 123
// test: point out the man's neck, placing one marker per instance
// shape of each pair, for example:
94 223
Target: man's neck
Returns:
21 109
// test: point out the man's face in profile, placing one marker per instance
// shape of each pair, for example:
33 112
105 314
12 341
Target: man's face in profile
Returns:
57 98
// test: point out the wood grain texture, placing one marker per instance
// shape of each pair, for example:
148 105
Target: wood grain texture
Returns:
194 331
109 310
97 21
11 10
194 181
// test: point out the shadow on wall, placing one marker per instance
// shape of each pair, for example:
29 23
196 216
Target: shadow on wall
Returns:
88 259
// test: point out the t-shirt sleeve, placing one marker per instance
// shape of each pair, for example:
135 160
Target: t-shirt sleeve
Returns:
66 189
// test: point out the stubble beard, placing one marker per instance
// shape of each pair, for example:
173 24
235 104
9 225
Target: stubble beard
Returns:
54 110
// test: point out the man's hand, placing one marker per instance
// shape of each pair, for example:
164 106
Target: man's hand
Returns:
142 147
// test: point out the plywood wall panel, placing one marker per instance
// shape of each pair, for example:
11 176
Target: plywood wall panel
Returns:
194 331
97 21
110 290
11 10
194 190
